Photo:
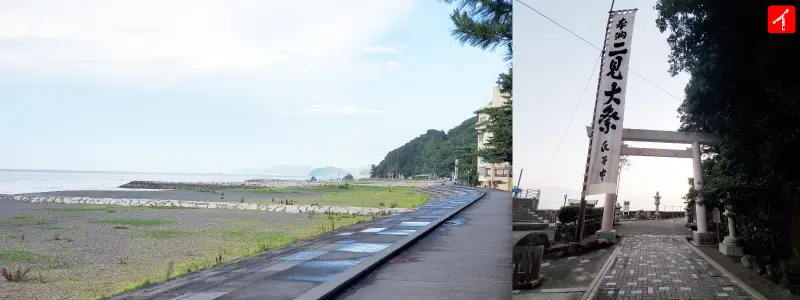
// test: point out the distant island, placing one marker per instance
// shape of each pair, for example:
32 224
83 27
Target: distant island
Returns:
329 172
303 171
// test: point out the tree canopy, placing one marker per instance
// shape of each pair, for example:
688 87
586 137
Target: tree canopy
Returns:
744 87
433 153
487 24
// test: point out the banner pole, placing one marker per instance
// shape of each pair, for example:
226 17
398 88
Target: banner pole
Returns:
582 211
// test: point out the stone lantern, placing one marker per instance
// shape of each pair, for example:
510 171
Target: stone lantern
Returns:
658 202
730 245
688 210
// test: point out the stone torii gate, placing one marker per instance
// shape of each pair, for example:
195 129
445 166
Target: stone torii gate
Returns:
701 236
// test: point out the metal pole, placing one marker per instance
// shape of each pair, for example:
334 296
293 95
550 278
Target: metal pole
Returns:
519 180
582 212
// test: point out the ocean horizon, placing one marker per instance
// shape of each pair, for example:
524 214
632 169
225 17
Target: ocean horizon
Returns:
20 181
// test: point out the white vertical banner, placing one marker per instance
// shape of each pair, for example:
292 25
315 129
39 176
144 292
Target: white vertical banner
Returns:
455 171
608 118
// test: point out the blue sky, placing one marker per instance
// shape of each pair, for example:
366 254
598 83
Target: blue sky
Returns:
218 86
551 69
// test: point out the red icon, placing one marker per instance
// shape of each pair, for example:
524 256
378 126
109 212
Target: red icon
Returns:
781 18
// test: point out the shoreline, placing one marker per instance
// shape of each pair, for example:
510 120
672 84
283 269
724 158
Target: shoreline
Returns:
287 208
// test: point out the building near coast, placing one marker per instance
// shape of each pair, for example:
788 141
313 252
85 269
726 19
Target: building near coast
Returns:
497 176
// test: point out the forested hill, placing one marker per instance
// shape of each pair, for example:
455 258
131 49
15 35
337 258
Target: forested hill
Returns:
433 153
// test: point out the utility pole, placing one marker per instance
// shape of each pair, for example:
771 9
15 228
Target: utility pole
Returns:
397 164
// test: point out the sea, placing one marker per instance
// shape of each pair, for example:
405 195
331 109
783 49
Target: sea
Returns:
35 181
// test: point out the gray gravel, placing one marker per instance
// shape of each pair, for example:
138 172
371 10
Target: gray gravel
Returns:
89 264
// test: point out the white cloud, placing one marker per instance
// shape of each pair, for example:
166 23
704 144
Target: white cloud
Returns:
332 110
391 66
177 39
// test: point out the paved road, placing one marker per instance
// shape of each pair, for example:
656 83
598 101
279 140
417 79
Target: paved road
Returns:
468 259
652 266
286 274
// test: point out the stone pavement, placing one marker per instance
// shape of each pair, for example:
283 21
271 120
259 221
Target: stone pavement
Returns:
663 267
573 272
287 273
467 258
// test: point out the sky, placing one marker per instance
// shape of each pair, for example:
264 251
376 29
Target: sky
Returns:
552 68
220 86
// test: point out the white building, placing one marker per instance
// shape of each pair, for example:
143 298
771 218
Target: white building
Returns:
492 175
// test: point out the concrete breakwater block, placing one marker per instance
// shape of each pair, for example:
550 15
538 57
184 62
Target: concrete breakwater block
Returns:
210 204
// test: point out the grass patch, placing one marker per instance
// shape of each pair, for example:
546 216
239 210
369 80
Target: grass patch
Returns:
18 255
134 222
24 220
228 242
262 191
165 234
357 195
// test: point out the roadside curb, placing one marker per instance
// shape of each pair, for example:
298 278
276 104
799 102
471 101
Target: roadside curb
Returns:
735 280
592 289
342 281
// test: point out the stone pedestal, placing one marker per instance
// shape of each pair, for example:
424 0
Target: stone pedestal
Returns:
703 238
730 247
611 236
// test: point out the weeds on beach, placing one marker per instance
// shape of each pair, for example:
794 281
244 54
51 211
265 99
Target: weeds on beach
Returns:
15 275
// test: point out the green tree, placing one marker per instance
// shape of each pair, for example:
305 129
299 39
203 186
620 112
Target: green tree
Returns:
487 24
499 146
348 177
744 88
373 171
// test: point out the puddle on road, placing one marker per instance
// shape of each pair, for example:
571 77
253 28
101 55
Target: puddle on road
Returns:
345 233
454 222
345 242
397 232
364 247
339 265
373 230
304 255
322 270
414 224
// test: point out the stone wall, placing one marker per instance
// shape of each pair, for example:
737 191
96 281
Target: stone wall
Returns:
207 204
